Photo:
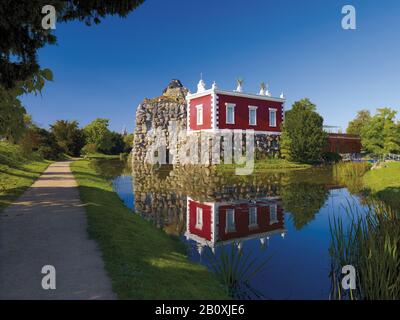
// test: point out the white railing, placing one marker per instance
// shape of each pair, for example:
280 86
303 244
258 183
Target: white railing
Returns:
392 157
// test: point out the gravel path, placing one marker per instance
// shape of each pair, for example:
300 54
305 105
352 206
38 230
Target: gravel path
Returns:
47 226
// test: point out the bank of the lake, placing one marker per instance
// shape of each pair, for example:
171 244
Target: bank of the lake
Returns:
17 172
385 183
266 165
142 261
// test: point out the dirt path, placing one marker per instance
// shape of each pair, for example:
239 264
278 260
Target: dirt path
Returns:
47 226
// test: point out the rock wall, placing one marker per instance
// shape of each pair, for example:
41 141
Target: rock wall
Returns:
153 116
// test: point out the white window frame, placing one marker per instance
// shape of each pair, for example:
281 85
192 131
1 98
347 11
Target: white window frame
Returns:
273 214
199 109
199 218
274 111
228 228
228 106
253 108
253 212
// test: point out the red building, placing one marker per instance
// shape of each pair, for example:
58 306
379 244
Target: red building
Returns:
214 109
343 143
216 223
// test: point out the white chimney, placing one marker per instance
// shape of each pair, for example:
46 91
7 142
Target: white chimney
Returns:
282 96
214 86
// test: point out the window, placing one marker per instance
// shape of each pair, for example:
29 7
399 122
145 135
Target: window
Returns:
199 218
252 217
252 115
230 113
272 117
199 114
230 221
273 214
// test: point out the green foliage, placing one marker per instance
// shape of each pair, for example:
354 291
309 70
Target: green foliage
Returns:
371 245
98 134
362 119
117 143
302 136
381 135
39 140
128 140
345 170
23 34
18 170
11 116
331 157
68 136
12 113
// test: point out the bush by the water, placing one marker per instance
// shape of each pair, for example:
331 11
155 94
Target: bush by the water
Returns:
351 169
331 157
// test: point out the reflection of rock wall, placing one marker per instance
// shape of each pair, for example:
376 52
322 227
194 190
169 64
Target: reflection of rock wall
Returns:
205 184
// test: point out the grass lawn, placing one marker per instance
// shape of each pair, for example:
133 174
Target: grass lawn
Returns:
101 156
266 165
142 261
385 183
17 172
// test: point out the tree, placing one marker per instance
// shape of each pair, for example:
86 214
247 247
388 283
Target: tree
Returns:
302 136
68 136
382 135
117 143
40 140
355 126
12 112
128 140
22 33
98 134
12 115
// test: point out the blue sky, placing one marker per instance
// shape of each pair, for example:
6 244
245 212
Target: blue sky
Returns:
296 46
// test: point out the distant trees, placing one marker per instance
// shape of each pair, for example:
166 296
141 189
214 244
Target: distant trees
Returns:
100 139
69 136
355 126
302 137
381 134
40 140
98 135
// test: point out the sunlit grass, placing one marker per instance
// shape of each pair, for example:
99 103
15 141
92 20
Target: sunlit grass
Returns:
17 172
384 183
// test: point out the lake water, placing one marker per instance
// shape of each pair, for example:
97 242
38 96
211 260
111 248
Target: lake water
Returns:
280 219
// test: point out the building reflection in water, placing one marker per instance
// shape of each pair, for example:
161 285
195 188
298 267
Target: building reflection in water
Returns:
214 224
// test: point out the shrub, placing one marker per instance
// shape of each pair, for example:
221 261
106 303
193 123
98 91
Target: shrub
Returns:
89 148
331 157
351 169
